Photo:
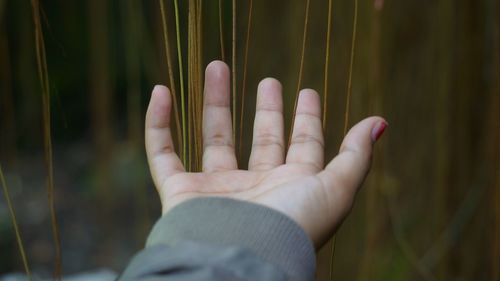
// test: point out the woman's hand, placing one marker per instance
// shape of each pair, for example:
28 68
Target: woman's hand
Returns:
295 182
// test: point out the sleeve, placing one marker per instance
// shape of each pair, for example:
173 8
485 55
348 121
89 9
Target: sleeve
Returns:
224 239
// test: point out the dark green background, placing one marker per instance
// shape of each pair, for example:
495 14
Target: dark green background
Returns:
428 211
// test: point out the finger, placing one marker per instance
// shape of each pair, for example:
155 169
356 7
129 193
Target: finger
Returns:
306 145
218 153
163 161
268 146
346 172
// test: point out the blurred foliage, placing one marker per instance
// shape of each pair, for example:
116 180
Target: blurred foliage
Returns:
430 209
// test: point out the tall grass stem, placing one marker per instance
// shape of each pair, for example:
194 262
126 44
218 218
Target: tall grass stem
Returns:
301 67
351 64
185 159
44 83
171 74
244 82
15 225
221 32
233 68
327 63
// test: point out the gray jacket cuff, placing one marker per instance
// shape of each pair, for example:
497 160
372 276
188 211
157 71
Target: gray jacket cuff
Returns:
271 235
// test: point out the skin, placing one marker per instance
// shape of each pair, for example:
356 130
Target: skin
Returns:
295 182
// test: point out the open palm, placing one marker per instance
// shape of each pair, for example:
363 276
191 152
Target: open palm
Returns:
296 183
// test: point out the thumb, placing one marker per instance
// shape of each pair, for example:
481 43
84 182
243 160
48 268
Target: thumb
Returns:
346 172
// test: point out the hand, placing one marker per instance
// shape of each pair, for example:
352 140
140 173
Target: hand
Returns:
294 183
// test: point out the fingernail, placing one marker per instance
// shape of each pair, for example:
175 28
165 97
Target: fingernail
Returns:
156 88
378 130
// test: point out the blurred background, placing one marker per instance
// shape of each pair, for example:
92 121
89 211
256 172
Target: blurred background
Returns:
430 209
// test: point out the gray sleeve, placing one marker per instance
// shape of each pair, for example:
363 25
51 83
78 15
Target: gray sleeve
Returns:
224 239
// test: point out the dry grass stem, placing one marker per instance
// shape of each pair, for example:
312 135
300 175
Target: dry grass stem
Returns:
301 67
327 63
181 82
221 32
171 75
44 83
244 82
233 68
351 64
15 225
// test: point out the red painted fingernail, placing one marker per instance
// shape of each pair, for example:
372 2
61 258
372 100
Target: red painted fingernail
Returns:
378 130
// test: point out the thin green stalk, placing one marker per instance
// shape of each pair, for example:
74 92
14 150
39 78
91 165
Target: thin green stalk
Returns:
221 32
171 73
190 82
351 63
303 51
243 87
199 83
199 66
325 102
233 68
327 63
44 82
185 160
193 95
15 225
190 98
301 67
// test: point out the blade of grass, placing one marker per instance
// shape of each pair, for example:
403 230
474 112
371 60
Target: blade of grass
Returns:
325 103
190 82
233 68
44 82
301 67
243 87
199 83
221 32
195 86
171 75
15 225
50 172
351 63
327 62
185 159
